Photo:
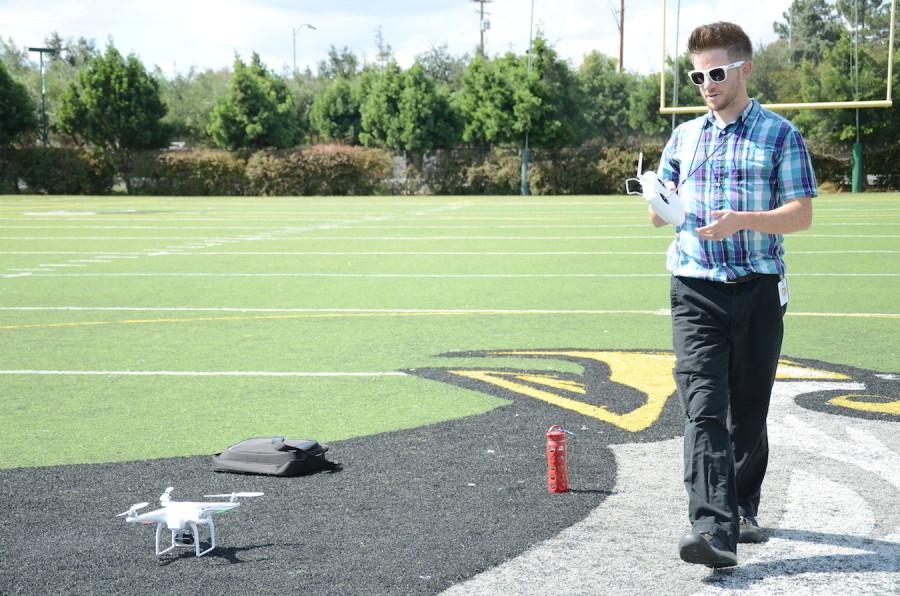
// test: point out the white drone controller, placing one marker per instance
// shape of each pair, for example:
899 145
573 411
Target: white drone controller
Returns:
664 201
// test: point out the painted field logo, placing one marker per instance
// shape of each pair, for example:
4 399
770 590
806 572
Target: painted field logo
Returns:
631 389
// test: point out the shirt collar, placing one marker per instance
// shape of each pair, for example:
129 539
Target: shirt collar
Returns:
742 118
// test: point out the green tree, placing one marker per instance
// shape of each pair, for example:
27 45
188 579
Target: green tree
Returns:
191 98
340 63
14 58
774 79
500 100
487 100
257 112
114 104
606 92
809 27
406 112
549 104
832 81
442 67
872 17
643 108
335 111
75 52
17 112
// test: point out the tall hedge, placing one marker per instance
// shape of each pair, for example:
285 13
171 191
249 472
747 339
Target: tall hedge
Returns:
318 170
189 173
57 170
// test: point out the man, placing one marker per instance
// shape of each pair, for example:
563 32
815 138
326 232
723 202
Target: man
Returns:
745 178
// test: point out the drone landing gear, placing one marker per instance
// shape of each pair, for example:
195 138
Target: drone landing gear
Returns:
187 538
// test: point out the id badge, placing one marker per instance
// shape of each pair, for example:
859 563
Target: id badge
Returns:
783 294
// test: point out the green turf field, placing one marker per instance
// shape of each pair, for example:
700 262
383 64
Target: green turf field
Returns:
244 316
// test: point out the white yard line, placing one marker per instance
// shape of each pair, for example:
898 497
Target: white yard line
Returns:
185 373
337 275
408 238
663 312
157 252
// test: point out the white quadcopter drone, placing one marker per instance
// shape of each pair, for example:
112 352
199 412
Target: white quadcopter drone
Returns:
664 201
182 519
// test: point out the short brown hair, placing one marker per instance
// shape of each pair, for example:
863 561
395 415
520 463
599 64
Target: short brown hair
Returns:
727 36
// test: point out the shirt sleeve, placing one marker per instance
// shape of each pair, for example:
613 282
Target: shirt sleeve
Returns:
669 165
796 178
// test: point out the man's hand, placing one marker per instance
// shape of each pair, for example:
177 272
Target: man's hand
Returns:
726 223
793 216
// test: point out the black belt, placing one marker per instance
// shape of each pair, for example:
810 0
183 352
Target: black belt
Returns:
745 278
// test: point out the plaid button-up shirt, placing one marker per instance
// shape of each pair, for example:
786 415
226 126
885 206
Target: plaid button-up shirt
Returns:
756 163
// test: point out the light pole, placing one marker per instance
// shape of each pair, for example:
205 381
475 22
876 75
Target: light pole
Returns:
526 154
294 32
41 52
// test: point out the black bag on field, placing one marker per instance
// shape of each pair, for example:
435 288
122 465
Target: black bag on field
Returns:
274 456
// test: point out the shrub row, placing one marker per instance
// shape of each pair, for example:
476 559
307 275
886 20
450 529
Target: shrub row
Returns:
342 170
56 171
186 173
317 170
585 170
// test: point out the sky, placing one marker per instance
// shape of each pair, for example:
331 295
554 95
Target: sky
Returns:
178 34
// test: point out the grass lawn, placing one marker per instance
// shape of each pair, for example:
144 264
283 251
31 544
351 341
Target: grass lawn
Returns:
301 313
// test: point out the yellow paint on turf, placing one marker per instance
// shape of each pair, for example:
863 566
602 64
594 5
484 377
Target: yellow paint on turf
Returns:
860 401
649 373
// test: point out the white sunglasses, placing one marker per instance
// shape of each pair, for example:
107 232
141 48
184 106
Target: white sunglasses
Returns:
717 75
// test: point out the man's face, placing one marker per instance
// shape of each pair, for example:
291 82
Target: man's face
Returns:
721 96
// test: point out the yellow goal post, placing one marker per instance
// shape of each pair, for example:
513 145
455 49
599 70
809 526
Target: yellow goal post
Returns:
887 102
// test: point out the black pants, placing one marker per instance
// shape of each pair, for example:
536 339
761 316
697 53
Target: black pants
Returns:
727 340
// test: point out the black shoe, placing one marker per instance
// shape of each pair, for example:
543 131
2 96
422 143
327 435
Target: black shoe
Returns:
750 530
707 549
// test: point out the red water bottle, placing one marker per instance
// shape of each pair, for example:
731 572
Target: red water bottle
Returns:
557 470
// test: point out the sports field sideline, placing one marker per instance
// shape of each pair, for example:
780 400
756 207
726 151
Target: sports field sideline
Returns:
430 342
120 315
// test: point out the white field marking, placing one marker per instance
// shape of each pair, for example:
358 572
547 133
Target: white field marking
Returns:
186 373
474 311
542 226
661 312
177 226
423 275
159 252
178 222
59 213
664 236
61 252
180 218
106 238
370 275
501 226
408 238
831 524
207 243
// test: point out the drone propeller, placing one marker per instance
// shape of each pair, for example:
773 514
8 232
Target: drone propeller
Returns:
133 509
234 496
